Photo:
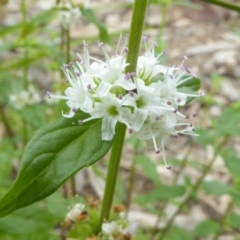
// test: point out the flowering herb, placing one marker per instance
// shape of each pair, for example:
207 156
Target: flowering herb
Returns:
147 101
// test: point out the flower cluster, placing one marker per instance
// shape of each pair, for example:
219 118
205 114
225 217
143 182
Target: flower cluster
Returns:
76 213
122 228
67 13
25 97
146 101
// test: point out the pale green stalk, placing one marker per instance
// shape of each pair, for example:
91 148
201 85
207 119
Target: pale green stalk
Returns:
116 153
26 65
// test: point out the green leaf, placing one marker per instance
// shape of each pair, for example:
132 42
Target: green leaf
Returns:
232 162
41 19
206 137
191 86
228 123
161 193
32 219
235 196
22 62
206 227
34 115
149 168
91 17
234 220
215 187
179 234
55 153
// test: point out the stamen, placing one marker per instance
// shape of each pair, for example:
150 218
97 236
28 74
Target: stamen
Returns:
133 74
100 44
154 44
120 96
194 115
131 93
48 94
176 135
130 130
127 76
144 38
188 70
125 49
194 75
180 114
157 151
164 158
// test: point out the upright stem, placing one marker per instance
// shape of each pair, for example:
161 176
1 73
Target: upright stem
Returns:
26 66
133 46
135 34
112 172
223 219
68 42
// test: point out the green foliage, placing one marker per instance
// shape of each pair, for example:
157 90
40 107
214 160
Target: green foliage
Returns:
149 168
232 162
163 192
191 86
32 221
90 16
179 234
215 187
34 115
54 154
228 123
205 228
233 220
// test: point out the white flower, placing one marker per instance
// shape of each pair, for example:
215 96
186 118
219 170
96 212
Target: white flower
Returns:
156 132
111 228
25 97
148 65
146 102
75 212
67 14
111 112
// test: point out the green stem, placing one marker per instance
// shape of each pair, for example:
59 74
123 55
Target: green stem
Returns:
68 42
132 177
193 189
26 65
224 4
163 21
135 34
114 162
116 153
223 219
